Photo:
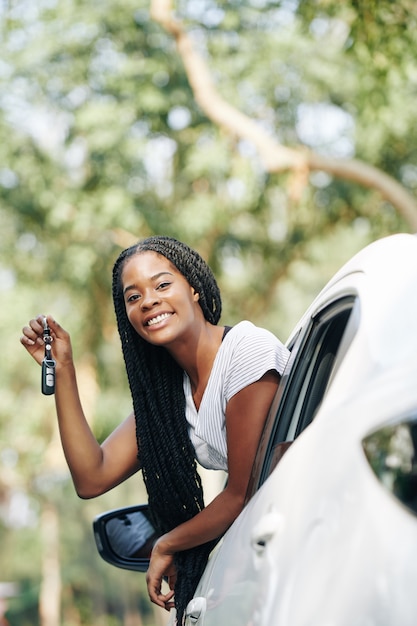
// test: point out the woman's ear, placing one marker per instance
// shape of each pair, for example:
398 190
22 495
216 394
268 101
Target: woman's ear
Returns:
196 295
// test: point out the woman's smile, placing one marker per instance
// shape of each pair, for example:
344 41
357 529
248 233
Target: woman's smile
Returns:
159 318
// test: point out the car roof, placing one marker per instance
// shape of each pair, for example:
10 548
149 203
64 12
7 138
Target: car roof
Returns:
379 367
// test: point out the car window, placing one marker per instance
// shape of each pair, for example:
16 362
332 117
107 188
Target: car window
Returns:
315 355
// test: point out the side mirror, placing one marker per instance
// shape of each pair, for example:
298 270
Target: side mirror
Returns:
125 537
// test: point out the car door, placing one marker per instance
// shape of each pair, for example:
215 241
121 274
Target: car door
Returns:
233 585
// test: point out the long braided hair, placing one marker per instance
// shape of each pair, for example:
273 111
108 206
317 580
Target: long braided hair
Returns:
156 382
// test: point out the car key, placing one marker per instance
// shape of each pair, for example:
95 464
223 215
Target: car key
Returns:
48 363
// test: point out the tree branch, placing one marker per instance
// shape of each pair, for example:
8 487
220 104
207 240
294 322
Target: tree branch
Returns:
275 157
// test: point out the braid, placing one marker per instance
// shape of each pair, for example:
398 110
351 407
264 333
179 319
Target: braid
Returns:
156 382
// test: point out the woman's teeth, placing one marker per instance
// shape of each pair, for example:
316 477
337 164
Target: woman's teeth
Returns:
158 318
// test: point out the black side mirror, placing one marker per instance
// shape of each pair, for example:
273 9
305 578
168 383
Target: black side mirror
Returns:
125 537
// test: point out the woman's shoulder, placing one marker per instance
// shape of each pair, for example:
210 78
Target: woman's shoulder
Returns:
248 352
245 340
247 330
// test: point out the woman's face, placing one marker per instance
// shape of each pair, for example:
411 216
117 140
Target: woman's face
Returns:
160 304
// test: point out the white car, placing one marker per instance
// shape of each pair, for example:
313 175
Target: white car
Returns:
329 534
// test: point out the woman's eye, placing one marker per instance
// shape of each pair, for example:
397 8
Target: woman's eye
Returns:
163 285
133 297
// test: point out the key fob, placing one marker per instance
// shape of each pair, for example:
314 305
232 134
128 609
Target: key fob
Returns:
48 377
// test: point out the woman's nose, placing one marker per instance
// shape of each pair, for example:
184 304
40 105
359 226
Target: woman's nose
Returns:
149 300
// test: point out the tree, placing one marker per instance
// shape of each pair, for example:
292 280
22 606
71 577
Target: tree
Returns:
107 135
276 158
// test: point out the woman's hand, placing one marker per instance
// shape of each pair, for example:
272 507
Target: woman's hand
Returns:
32 340
161 564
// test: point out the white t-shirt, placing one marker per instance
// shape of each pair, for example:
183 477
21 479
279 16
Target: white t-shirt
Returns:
244 356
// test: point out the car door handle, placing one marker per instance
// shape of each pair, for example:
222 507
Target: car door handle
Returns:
267 527
195 609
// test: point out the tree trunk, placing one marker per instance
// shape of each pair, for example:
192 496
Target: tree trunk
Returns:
50 592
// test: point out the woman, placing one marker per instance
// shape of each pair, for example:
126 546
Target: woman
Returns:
199 390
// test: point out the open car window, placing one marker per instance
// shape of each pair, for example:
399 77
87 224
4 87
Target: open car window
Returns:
315 355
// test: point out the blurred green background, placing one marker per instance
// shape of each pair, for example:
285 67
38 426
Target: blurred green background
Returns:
102 143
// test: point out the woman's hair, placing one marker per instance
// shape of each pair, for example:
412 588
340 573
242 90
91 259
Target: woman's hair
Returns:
156 383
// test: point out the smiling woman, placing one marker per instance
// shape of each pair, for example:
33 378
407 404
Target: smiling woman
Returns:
197 392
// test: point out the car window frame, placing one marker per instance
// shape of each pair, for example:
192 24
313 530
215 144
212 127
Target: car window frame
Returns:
288 416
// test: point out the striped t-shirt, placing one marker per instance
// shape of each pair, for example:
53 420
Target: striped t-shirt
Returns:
245 355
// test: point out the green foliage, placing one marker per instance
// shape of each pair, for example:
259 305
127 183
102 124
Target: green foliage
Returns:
101 143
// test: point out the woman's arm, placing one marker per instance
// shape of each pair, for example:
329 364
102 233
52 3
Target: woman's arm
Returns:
94 468
246 413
